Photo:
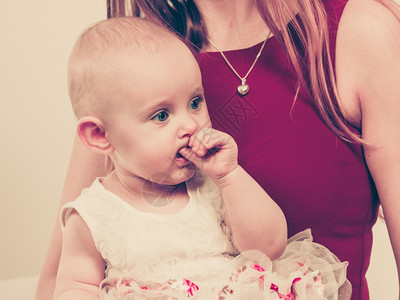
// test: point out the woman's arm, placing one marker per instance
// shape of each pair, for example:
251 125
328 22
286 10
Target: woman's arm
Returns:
81 267
368 57
83 168
380 105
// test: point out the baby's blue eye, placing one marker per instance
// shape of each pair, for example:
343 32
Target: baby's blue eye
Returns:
195 103
162 116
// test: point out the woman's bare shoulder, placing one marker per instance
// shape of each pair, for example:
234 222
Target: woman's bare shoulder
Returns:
368 21
368 43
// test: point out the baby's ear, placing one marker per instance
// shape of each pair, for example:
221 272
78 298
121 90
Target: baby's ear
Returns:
92 134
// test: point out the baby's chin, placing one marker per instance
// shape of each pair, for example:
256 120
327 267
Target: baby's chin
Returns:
184 173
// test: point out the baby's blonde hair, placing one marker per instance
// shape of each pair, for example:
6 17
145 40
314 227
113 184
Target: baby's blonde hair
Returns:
99 45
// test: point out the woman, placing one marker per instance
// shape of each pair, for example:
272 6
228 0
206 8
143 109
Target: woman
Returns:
293 140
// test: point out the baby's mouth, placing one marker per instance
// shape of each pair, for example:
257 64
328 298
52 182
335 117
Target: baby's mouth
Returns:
180 159
178 153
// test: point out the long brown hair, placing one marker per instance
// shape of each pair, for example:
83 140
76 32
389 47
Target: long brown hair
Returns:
305 40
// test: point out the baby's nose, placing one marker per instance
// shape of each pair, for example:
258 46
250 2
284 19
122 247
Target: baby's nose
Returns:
187 128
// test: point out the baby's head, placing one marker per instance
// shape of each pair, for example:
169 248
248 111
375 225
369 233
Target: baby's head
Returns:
102 51
136 90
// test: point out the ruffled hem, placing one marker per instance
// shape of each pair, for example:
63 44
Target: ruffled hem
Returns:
305 271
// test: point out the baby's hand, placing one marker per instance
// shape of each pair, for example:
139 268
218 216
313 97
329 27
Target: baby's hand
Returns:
213 152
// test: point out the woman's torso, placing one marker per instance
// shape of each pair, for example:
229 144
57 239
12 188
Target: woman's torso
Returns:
319 181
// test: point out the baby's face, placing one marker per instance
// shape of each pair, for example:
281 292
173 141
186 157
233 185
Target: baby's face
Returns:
157 104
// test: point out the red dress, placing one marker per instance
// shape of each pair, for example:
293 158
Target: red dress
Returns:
319 181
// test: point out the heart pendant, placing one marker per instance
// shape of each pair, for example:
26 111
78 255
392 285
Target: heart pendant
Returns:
243 89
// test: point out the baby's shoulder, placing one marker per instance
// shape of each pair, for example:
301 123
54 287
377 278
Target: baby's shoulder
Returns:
94 205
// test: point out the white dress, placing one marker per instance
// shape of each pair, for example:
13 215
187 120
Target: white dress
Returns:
190 254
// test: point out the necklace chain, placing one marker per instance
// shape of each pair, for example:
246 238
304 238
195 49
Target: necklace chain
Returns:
243 89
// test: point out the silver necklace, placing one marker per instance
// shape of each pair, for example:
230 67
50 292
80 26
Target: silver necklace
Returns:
243 88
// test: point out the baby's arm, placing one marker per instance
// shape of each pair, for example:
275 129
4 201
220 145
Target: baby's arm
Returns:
255 220
81 266
84 167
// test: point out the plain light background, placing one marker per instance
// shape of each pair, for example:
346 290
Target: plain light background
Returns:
37 129
36 122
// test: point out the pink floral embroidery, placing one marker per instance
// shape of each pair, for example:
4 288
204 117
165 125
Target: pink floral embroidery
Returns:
291 295
261 279
123 283
126 282
185 285
319 285
191 286
295 280
226 290
191 289
257 267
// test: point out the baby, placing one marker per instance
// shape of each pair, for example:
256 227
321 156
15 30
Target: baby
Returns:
177 217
